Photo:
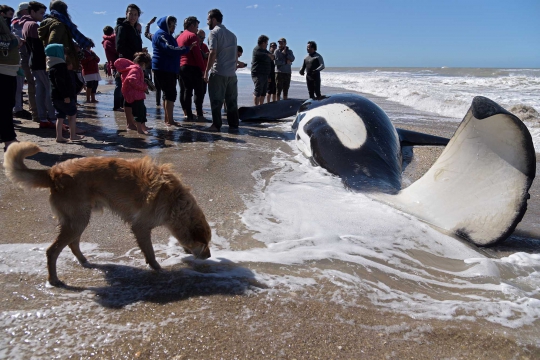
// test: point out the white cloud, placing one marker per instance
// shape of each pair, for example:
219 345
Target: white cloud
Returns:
100 12
252 6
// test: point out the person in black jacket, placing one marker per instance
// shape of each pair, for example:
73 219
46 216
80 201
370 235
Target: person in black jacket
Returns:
128 42
261 65
63 93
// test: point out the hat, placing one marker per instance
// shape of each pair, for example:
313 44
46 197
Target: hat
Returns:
55 50
189 21
282 40
23 6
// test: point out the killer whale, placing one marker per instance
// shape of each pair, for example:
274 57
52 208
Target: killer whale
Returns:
477 189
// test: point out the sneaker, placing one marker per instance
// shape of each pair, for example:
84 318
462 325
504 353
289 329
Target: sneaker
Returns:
47 125
23 114
118 109
201 118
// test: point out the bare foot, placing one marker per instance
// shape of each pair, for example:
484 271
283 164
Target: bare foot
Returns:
94 101
143 131
172 123
77 137
62 140
131 127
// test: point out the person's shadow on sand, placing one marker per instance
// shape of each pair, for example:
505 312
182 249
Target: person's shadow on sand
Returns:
128 285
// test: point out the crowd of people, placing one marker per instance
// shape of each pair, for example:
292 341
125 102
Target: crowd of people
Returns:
56 61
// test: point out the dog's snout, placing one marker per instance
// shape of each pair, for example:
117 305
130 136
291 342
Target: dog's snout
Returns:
201 252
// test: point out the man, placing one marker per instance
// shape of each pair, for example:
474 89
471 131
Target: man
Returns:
284 59
192 69
261 66
222 81
37 62
313 65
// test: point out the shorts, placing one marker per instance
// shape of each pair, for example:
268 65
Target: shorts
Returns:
261 84
63 109
166 81
271 86
283 82
138 109
91 86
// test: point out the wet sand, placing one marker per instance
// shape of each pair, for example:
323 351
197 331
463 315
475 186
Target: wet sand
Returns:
115 311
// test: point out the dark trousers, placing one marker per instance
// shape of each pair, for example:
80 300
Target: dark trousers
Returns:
158 91
118 97
313 81
191 77
223 88
7 102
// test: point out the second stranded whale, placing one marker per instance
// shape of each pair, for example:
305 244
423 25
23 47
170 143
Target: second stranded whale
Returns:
477 189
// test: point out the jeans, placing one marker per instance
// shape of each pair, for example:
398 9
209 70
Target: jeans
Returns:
31 89
118 97
223 88
44 103
7 101
18 97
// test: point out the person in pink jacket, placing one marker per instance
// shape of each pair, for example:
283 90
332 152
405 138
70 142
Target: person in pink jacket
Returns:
134 87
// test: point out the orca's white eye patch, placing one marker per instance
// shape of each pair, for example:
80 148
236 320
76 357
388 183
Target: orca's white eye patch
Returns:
345 122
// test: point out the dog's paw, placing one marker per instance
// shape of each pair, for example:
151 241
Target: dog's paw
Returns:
56 283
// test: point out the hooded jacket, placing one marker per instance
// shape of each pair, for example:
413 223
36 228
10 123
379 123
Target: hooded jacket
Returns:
53 31
128 39
133 85
166 53
90 63
36 50
109 44
61 83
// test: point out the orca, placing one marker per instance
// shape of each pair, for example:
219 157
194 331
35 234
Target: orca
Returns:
477 189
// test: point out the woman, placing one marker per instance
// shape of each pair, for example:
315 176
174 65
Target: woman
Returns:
128 42
9 65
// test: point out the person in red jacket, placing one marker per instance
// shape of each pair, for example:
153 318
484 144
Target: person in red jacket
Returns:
192 69
109 44
134 86
90 65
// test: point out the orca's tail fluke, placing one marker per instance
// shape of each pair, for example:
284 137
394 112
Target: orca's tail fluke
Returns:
17 171
478 188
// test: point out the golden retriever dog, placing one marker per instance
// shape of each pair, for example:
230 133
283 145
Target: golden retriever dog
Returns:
143 194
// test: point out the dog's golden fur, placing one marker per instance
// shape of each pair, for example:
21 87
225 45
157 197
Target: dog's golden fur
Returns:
143 194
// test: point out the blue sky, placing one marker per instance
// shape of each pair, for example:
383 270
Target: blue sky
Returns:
414 33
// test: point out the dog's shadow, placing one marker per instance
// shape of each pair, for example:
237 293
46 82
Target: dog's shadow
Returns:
128 285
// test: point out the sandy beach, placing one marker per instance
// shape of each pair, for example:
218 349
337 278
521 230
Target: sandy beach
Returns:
219 308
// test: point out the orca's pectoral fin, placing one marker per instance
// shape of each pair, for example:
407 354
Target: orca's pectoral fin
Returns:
478 188
414 138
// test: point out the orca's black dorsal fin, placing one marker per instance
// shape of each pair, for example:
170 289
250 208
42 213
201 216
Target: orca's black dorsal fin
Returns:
412 138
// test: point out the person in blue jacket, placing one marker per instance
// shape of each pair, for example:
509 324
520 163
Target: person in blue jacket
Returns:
166 63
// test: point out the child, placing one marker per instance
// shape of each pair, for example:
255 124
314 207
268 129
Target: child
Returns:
134 88
62 92
90 65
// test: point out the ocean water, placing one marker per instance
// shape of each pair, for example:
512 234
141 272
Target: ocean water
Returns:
446 92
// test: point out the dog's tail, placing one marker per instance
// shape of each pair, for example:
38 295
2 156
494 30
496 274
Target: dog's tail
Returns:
17 172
